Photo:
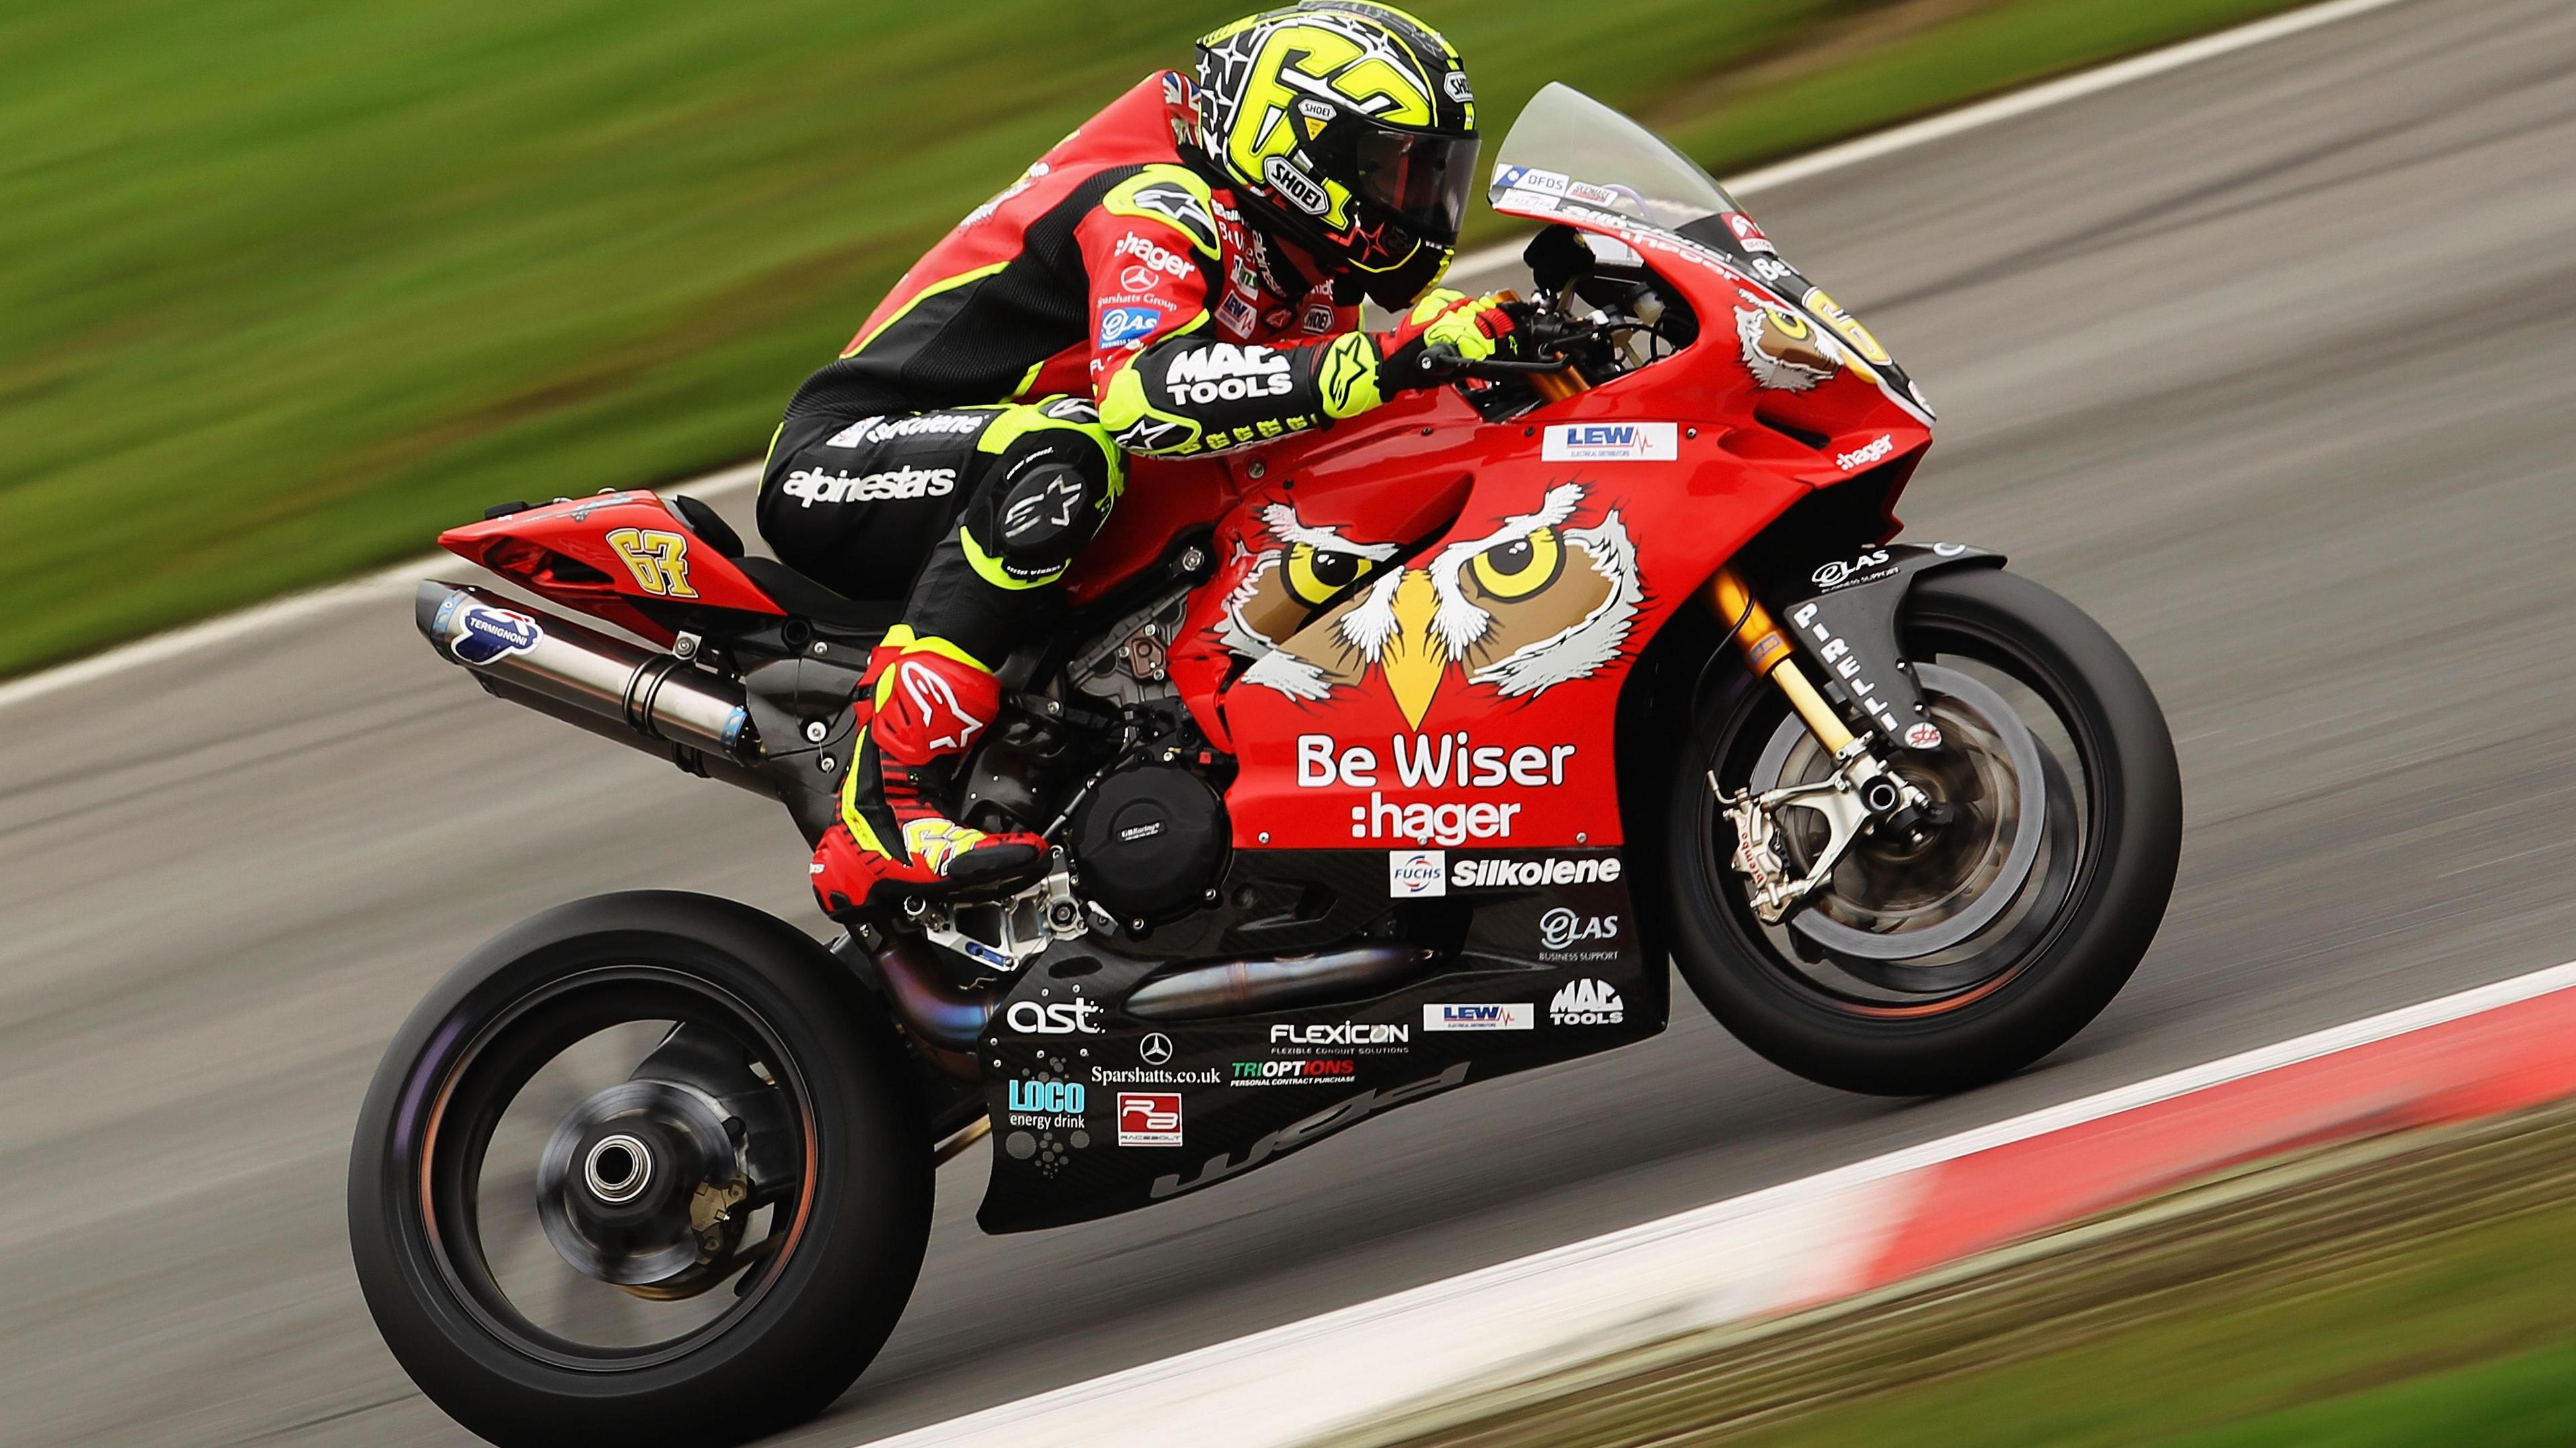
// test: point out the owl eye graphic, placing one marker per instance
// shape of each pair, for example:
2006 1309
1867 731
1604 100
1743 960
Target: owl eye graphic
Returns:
1538 601
1315 573
1520 567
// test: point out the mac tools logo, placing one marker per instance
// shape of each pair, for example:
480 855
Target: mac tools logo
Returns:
1611 442
1586 1003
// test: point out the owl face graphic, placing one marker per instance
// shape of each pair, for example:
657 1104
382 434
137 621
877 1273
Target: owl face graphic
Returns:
1535 602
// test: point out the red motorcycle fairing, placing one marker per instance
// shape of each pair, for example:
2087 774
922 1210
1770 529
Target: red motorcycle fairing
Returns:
598 553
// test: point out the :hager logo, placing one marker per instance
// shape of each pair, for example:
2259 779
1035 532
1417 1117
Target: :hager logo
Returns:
1432 762
1149 1118
1149 254
1413 874
1446 1016
1586 1003
1611 442
1866 453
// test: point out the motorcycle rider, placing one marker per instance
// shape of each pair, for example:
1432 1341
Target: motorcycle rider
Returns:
1179 276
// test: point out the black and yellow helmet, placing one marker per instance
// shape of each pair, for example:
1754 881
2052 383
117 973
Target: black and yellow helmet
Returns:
1349 129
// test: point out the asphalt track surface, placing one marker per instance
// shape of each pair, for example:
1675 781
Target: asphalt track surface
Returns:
2265 362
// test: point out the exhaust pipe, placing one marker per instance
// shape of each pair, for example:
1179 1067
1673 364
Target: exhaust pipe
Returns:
640 697
1237 987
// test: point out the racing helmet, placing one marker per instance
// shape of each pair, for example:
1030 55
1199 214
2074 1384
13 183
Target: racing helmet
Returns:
1349 129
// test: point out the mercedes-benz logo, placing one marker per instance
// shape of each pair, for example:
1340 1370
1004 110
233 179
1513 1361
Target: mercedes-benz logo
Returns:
1156 1049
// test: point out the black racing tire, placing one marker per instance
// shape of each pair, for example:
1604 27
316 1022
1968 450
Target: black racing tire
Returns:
823 1305
2114 902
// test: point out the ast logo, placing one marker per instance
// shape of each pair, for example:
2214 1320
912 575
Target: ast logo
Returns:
1611 442
1516 1016
1412 874
1149 1118
1054 1018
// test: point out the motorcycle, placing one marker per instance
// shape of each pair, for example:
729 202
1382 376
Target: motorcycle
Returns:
1376 762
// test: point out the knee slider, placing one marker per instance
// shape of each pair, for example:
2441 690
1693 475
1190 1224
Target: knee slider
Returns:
1049 511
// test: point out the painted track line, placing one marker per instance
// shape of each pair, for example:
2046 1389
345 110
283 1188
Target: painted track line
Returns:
374 587
1786 1247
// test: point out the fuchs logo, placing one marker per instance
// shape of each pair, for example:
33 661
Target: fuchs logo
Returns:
1223 371
1865 454
1124 324
1054 1018
1586 1003
485 634
1412 874
1513 1016
1611 442
1341 1033
1527 874
1149 1118
1560 928
1144 249
810 485
928 424
1299 189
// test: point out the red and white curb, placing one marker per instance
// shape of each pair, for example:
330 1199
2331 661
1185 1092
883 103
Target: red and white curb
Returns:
2481 1052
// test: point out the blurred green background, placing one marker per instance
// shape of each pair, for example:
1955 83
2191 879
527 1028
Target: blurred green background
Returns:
287 285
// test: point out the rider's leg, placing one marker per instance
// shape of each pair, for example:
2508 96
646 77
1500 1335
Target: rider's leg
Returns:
1040 481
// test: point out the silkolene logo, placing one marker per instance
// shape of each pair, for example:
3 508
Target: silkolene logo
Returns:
1431 762
1448 1016
1149 1118
1527 874
1611 442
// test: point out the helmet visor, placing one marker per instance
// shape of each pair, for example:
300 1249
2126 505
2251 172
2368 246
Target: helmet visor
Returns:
1423 180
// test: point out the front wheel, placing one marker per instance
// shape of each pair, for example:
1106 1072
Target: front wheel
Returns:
641 1169
1927 966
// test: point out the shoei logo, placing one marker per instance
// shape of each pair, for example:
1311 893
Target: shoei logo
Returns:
1296 187
1412 874
1454 86
1611 442
1144 249
1149 1118
1586 1003
1054 1018
1512 1016
486 635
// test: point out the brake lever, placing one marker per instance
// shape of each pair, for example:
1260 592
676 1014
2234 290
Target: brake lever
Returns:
1444 361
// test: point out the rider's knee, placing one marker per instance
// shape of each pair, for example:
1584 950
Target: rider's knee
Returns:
1052 475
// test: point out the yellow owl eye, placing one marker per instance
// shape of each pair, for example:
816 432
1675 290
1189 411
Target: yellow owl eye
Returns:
1316 574
1522 566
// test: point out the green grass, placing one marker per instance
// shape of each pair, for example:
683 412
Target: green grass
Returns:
2465 1338
287 285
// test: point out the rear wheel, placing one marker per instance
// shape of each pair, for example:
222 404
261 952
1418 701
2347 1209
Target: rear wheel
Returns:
1919 968
642 1167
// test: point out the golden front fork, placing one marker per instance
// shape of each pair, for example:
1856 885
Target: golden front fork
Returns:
1767 650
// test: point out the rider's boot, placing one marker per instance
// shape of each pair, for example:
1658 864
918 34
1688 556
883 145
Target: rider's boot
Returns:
921 705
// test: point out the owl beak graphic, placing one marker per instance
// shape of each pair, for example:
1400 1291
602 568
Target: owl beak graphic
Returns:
1415 660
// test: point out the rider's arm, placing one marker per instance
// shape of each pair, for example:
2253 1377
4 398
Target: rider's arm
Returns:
1167 386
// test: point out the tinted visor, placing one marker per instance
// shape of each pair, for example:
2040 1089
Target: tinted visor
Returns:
1423 180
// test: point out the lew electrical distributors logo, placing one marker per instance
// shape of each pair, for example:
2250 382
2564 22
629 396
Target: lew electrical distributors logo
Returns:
1511 1016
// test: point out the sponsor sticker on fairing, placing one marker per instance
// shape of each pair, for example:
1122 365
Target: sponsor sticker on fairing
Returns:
1414 874
1587 1003
1456 1016
1124 324
1866 453
1149 1118
1611 442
